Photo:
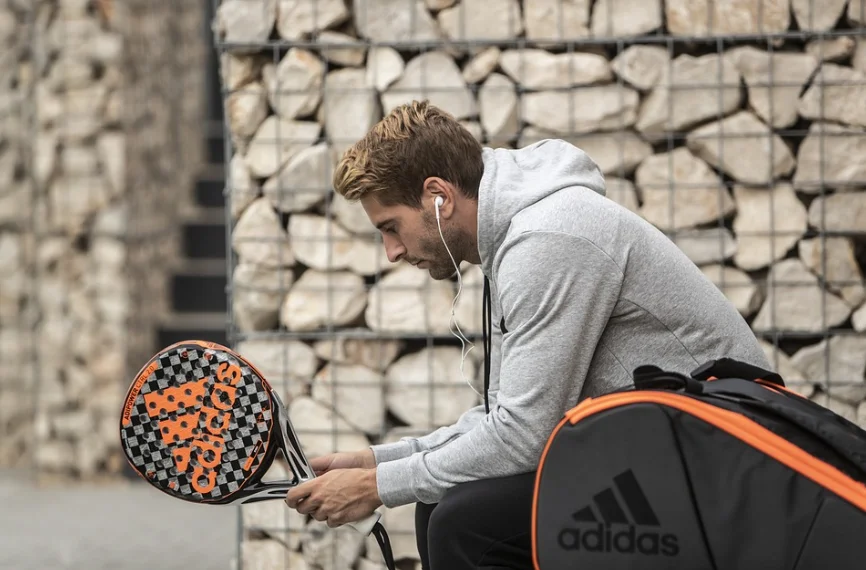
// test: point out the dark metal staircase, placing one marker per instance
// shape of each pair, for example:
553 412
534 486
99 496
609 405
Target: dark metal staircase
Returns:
198 288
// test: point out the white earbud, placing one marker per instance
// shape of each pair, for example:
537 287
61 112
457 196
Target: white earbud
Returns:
453 323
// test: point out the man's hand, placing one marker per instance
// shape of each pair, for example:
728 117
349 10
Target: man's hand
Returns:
341 496
363 459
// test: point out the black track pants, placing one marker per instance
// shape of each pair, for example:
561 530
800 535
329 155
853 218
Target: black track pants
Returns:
482 525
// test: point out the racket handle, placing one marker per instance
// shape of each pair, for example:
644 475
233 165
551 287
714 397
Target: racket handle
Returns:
365 526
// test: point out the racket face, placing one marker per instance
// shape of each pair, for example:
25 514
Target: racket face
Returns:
197 422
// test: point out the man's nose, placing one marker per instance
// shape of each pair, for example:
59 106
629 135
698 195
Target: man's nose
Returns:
393 249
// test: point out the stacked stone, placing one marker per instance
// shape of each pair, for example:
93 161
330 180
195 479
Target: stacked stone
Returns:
749 154
90 176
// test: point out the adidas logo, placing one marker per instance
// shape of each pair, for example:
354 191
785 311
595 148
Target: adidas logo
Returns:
600 529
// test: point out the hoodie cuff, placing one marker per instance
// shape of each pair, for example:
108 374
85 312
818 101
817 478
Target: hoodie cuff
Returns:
391 451
394 483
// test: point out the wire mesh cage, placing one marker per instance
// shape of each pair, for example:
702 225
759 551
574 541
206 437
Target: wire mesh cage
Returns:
737 128
98 142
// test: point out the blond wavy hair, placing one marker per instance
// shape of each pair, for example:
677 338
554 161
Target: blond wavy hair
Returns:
415 141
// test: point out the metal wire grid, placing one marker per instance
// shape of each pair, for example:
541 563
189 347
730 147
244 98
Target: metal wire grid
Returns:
801 158
106 145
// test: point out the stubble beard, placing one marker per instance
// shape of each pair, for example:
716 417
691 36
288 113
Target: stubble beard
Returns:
434 252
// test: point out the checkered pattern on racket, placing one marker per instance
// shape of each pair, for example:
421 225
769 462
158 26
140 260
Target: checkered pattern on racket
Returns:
194 431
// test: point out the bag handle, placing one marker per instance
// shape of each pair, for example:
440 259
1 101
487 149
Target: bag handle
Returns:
731 368
845 437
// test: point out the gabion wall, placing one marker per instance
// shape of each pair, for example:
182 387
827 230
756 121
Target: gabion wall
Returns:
100 118
736 127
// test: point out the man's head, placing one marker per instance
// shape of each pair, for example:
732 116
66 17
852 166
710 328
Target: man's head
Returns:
417 153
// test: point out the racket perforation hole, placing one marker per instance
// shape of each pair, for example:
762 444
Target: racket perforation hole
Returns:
152 405
176 438
187 392
170 398
183 424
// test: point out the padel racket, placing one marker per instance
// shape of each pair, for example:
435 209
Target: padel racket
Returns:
201 424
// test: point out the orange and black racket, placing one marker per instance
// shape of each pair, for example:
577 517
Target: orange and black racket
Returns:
202 424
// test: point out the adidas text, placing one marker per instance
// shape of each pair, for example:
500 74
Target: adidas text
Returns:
605 539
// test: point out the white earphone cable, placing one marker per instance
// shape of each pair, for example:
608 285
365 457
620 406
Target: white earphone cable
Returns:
453 322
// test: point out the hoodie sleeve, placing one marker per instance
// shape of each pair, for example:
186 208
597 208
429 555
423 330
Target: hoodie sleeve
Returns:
406 446
555 319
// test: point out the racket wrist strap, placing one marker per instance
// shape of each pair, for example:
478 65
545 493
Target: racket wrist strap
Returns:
384 545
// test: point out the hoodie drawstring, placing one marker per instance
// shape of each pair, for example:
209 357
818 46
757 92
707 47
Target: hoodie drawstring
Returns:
486 319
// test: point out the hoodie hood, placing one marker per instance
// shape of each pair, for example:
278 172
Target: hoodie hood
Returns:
516 179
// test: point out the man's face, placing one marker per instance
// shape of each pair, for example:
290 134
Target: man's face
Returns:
413 236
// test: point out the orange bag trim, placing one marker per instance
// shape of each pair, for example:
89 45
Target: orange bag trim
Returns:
733 423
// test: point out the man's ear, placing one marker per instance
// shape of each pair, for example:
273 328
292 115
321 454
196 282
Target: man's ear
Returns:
437 189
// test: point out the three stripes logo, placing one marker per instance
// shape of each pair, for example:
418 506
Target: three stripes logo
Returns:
605 526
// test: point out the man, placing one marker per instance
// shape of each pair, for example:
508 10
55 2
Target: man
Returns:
582 290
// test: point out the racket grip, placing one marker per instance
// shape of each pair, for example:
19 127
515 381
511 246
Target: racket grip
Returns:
365 526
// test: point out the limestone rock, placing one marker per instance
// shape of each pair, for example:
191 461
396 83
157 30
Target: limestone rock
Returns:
384 67
743 147
351 108
858 319
699 195
840 212
474 128
498 104
298 18
356 393
287 364
111 150
408 300
737 286
617 153
481 65
351 216
257 295
294 85
796 302
321 431
433 76
706 246
352 55
769 222
325 548
834 259
537 69
641 65
238 69
684 87
426 389
817 15
319 299
836 49
712 18
319 243
372 354
394 21
836 94
845 358
242 189
482 20
246 108
609 20
774 81
245 21
856 12
274 520
259 237
831 156
602 108
303 182
556 20
276 141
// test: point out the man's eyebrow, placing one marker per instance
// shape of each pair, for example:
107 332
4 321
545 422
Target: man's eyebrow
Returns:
384 223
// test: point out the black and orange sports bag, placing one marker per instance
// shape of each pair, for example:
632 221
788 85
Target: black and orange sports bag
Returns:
721 469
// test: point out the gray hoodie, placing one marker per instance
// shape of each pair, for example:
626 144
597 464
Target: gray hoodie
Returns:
588 291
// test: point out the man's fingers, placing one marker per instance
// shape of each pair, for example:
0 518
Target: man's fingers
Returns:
299 493
321 463
308 506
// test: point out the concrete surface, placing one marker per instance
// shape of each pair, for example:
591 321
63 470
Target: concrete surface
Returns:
117 526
